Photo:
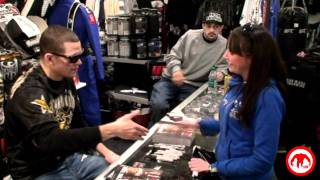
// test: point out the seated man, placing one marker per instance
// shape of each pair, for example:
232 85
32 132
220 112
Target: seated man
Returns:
189 64
46 136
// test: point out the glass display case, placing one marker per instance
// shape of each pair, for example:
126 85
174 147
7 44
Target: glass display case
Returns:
165 151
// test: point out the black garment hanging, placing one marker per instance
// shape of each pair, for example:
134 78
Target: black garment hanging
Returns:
313 6
102 15
181 16
18 3
292 29
144 4
303 83
39 8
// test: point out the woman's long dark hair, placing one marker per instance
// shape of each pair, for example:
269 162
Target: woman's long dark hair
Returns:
255 42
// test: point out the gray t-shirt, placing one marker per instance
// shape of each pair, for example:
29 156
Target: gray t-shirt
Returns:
195 57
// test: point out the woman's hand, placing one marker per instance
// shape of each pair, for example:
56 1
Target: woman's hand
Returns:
198 165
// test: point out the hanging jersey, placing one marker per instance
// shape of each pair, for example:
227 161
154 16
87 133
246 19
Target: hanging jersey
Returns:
252 12
292 31
273 18
94 6
303 101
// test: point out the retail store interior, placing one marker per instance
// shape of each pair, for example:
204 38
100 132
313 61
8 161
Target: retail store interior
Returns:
176 61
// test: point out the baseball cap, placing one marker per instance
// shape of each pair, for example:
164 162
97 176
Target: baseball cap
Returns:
213 17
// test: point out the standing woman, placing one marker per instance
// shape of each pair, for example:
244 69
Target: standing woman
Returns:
251 111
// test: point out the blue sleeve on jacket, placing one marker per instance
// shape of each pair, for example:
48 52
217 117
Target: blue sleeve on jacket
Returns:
269 113
93 35
209 127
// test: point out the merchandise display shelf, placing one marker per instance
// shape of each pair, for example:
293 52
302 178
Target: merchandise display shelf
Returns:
138 98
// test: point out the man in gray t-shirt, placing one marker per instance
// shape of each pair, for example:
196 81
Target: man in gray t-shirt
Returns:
189 64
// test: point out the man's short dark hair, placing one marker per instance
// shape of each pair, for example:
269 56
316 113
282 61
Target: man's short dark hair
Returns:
53 38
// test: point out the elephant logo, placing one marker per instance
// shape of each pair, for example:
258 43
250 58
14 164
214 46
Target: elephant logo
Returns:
300 161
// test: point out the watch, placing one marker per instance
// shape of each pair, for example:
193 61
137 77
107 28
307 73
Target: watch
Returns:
212 169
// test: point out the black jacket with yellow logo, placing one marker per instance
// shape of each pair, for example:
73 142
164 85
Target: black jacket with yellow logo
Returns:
43 124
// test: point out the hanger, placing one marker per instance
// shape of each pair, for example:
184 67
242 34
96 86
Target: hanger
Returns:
293 4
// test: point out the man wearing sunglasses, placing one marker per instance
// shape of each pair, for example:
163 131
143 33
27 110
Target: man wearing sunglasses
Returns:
46 136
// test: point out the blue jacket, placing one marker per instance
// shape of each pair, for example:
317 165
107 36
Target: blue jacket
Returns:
247 152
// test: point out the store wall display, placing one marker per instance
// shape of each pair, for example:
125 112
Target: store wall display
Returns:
5 41
94 6
25 34
154 47
124 24
313 35
144 3
118 7
139 21
112 46
112 25
37 7
154 22
139 32
20 34
7 11
139 47
40 22
111 7
10 65
303 101
10 69
124 47
103 42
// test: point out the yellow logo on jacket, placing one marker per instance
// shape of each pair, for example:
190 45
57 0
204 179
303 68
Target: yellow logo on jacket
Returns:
43 105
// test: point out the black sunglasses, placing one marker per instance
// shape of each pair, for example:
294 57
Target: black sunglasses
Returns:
72 59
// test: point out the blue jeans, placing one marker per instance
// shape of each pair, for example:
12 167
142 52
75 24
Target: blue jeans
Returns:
164 93
77 166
